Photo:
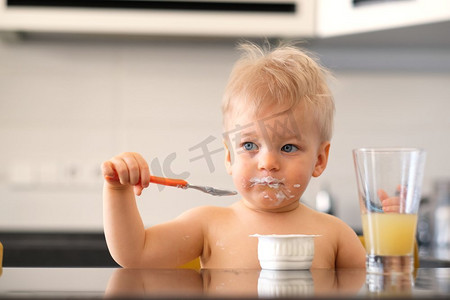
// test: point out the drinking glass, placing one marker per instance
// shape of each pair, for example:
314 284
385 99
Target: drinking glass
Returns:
389 186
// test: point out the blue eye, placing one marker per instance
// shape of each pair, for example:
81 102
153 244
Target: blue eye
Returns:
289 148
249 146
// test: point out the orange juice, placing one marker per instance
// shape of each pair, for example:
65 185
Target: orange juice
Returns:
389 234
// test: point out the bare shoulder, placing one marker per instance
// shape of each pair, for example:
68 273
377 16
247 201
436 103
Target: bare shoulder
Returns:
333 227
332 223
349 250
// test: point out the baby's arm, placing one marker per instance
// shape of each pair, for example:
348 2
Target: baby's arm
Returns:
130 244
351 253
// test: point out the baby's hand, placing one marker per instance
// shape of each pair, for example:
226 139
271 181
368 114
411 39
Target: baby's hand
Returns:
391 204
127 169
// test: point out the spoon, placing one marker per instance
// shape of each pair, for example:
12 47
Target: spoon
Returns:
180 183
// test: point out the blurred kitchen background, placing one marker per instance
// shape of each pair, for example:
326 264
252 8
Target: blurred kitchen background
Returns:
77 90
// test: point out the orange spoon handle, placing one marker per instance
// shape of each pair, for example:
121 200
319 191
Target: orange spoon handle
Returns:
168 181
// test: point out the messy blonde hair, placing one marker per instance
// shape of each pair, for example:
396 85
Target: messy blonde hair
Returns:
285 76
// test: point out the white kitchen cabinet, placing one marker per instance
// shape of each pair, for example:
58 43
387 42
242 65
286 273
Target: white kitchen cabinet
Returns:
249 18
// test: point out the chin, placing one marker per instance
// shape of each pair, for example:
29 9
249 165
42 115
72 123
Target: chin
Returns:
265 204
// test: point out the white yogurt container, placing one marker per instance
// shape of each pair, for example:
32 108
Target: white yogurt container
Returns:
286 251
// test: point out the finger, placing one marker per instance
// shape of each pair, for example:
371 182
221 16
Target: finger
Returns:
391 201
392 208
391 204
121 169
133 168
108 172
382 194
143 169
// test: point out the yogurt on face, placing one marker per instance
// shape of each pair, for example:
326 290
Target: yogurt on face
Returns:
281 192
269 181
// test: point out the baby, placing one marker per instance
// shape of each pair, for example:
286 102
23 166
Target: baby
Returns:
278 115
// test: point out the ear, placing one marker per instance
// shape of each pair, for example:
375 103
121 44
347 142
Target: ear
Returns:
228 159
322 159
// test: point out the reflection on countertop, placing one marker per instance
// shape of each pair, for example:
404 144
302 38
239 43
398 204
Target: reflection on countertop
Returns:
101 283
236 283
240 283
275 284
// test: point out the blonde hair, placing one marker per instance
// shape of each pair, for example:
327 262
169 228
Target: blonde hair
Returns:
283 76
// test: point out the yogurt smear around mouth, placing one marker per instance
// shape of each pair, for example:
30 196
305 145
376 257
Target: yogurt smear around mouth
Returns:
269 181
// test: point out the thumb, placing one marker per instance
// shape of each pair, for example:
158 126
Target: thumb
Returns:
138 189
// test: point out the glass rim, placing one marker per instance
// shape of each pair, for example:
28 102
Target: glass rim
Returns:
387 149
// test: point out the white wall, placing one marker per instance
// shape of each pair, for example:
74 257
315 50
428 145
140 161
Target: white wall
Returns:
67 104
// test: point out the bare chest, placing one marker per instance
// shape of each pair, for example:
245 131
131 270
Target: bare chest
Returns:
230 244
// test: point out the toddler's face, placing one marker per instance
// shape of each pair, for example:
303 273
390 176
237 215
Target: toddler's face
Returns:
275 155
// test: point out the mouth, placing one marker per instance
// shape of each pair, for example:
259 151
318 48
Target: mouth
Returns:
269 181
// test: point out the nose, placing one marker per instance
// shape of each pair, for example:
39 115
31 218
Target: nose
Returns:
268 161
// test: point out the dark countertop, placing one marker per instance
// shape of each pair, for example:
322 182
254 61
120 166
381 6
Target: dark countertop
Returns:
53 249
100 283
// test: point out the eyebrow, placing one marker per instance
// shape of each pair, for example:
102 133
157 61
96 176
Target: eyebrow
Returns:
290 137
